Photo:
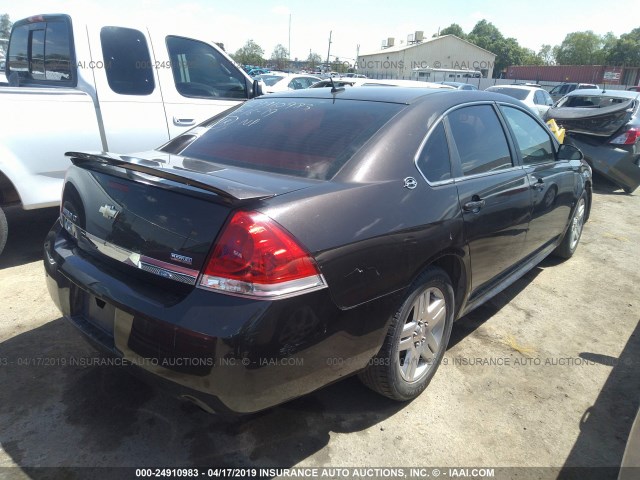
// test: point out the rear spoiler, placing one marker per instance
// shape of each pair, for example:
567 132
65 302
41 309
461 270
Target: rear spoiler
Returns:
230 191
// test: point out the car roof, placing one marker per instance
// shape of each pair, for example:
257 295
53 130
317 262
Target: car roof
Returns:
530 88
599 92
457 84
371 82
402 95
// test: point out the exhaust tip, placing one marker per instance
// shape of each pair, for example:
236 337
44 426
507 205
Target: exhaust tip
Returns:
199 403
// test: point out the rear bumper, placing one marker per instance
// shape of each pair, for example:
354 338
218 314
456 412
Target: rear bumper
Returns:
617 164
228 353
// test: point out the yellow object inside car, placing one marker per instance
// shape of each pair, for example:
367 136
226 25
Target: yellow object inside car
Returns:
557 131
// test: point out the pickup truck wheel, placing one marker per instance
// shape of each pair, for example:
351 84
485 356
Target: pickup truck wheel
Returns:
569 243
416 340
4 230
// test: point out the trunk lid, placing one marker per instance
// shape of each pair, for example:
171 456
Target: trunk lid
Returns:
594 120
157 212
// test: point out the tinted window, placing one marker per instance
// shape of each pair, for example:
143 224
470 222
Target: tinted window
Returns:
518 93
41 52
199 70
533 141
127 61
37 55
434 161
480 140
310 138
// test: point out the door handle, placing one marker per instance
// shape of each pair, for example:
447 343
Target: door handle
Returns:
539 185
184 122
474 206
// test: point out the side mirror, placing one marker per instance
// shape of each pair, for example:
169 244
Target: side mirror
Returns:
569 152
256 90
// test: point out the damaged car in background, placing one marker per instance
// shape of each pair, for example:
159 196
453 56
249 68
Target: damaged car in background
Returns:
605 126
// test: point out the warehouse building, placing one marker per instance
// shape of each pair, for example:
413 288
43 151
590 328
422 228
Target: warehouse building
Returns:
441 58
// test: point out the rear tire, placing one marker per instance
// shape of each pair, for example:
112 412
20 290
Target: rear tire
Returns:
4 230
416 340
571 238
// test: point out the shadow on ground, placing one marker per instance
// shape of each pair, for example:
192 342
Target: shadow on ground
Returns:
606 186
605 426
56 414
27 230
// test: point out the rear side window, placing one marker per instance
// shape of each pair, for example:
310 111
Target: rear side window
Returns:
480 139
200 71
127 61
301 82
433 161
40 52
533 141
269 80
311 138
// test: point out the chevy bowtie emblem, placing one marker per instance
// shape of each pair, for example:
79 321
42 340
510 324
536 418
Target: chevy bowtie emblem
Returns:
109 211
410 183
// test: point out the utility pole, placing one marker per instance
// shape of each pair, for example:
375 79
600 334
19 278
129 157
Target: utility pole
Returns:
289 38
356 66
329 51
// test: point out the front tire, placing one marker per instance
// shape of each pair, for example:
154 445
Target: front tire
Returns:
416 340
571 238
4 230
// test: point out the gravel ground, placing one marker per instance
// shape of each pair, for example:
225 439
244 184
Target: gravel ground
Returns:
545 374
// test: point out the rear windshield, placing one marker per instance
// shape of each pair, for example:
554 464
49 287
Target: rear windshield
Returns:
512 92
311 138
269 80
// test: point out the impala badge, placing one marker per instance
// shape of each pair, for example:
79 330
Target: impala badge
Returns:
181 258
109 211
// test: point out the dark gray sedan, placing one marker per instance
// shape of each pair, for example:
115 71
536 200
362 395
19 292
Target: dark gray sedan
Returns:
307 236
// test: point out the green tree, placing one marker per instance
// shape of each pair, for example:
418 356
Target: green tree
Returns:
609 41
530 57
280 56
5 31
626 50
453 29
507 50
485 34
250 54
5 25
580 48
546 55
313 60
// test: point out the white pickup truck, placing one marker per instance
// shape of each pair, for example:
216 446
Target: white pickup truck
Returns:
86 86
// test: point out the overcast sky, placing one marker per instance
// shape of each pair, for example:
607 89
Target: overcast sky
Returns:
353 22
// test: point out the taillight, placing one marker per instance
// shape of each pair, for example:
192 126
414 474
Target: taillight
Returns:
629 137
256 257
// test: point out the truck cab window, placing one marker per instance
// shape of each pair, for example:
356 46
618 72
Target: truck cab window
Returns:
200 71
127 61
40 53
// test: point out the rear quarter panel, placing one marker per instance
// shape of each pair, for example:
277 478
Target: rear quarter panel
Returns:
37 127
369 233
